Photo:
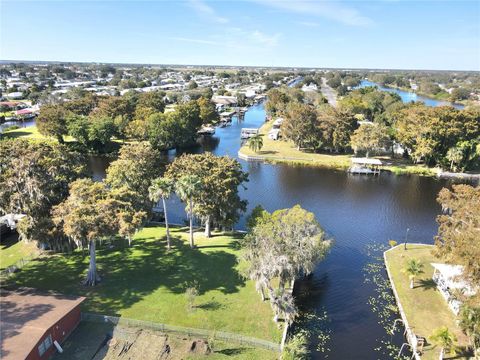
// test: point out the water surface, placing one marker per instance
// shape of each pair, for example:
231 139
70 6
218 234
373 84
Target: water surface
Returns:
409 96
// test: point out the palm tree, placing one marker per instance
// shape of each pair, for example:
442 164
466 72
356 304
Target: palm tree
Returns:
162 188
413 268
255 143
445 339
187 187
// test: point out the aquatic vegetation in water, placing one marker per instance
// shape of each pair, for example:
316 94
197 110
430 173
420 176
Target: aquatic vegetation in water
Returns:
382 303
316 327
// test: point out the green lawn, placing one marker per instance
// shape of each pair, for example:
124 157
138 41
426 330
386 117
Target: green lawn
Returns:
12 250
424 306
148 283
285 151
30 132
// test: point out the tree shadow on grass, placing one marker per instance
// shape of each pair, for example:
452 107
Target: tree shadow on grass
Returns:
8 239
426 284
210 305
231 352
131 273
267 152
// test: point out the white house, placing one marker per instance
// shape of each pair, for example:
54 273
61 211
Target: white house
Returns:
274 134
450 284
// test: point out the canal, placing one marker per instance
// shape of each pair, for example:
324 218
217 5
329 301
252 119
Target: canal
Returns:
354 210
409 96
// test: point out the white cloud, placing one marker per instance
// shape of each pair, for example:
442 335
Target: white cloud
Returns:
207 11
195 41
264 39
333 10
308 23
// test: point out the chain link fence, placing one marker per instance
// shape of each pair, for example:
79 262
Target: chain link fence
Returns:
5 273
202 333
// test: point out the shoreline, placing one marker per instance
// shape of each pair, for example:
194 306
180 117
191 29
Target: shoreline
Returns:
283 152
394 169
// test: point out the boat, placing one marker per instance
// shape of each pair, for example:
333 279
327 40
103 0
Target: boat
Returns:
206 130
247 133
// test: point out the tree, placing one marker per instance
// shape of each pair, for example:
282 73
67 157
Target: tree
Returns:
459 94
113 106
443 338
208 112
52 122
34 176
86 216
130 216
163 131
81 104
192 85
149 103
187 187
78 127
135 168
241 99
175 129
100 131
335 128
470 324
413 268
283 245
255 143
458 231
218 202
429 132
300 125
162 188
283 304
455 156
370 138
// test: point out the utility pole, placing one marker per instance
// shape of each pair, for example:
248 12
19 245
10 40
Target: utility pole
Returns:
406 238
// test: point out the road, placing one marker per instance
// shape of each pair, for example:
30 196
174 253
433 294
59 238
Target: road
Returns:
329 93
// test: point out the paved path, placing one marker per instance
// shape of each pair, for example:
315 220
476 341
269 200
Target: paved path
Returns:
329 93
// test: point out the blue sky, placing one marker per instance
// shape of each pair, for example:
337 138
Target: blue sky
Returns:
346 34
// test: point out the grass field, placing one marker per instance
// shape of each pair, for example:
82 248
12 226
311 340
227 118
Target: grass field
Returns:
12 250
424 306
30 132
286 152
146 282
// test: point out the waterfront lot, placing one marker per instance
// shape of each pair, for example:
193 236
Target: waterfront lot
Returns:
424 306
88 338
286 152
146 282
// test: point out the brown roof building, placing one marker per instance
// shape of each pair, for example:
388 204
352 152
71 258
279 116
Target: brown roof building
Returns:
30 322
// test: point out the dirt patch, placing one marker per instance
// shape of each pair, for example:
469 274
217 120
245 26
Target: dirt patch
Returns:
128 344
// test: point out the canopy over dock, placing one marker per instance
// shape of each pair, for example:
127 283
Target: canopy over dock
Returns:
366 161
365 166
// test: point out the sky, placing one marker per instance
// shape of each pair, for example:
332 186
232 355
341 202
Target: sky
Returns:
390 34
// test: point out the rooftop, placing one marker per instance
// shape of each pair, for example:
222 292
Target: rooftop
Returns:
367 161
26 316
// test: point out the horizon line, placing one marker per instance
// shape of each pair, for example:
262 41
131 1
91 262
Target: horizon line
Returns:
10 61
